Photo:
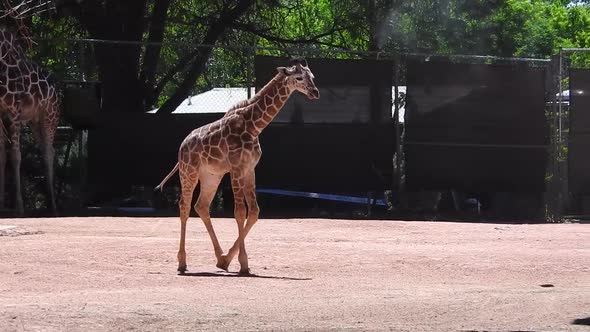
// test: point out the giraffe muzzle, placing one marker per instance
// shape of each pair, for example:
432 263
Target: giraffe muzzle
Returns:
314 94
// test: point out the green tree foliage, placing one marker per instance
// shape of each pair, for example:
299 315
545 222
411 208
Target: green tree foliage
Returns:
140 76
179 58
539 28
523 28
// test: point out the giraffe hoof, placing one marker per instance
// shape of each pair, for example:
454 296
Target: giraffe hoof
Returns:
222 263
245 272
181 270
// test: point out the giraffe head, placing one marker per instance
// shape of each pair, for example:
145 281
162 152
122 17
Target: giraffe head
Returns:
299 77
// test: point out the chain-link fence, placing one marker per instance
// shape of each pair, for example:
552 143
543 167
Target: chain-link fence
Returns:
572 138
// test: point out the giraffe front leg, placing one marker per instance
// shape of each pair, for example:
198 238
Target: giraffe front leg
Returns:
15 156
49 178
243 185
242 256
249 185
239 214
44 134
48 158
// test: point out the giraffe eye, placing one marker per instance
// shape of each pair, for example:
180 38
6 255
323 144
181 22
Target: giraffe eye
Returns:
299 78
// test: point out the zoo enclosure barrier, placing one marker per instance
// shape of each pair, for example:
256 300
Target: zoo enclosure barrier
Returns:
573 133
419 161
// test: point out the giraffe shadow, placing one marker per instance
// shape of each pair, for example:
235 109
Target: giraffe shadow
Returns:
224 274
582 321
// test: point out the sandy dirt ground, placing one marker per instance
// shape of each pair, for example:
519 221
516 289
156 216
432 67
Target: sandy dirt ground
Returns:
119 274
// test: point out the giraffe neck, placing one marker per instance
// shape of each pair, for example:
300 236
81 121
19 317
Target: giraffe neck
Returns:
12 54
266 104
11 82
10 43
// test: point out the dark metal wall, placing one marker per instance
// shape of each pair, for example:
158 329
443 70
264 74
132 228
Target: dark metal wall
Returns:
468 127
352 91
475 127
142 149
136 149
327 157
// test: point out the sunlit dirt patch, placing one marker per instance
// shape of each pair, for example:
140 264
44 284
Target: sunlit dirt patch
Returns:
9 230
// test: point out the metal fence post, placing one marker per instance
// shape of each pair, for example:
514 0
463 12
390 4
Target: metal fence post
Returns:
553 201
82 163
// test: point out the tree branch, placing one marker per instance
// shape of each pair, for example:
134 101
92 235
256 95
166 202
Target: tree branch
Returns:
313 39
152 52
225 20
182 64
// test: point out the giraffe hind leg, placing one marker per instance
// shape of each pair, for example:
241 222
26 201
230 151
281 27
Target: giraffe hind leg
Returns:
188 185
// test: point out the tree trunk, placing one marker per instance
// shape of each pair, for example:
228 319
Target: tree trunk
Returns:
121 89
118 63
152 52
373 27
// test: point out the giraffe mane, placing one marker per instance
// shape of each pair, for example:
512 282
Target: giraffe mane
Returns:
262 91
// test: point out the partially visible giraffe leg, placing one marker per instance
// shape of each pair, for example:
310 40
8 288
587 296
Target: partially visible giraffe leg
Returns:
44 138
15 158
2 165
49 156
249 189
239 215
188 184
238 181
208 188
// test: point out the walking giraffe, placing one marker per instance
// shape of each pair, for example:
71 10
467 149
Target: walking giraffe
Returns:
28 96
230 145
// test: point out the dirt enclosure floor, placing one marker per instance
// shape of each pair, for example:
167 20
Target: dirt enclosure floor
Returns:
119 274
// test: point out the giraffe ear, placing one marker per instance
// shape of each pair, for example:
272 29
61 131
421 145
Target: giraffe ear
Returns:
283 70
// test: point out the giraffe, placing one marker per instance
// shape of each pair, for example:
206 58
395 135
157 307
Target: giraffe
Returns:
230 145
28 96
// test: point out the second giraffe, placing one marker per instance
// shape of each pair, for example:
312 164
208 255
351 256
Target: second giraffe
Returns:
230 145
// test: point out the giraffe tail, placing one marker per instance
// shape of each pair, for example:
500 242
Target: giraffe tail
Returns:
161 185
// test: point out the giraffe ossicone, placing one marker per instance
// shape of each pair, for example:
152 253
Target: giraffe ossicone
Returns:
230 145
